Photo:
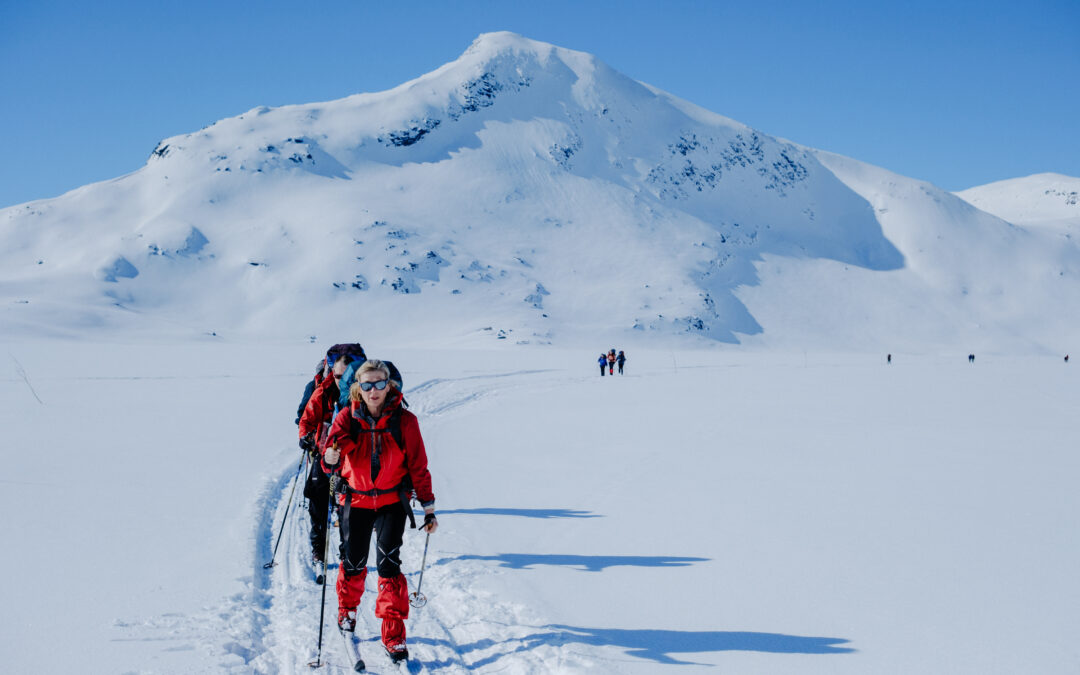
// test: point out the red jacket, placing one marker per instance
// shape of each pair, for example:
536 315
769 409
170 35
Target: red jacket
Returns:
319 410
395 463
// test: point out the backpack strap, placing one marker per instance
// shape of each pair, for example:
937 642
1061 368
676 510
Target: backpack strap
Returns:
395 429
393 426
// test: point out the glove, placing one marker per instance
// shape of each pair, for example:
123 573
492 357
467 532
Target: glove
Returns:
307 444
331 456
430 523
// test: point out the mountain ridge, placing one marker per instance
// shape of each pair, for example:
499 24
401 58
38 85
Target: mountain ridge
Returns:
523 187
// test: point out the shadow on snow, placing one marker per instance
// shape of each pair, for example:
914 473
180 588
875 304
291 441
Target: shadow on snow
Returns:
659 646
587 563
525 513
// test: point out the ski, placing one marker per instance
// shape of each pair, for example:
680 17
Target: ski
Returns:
352 651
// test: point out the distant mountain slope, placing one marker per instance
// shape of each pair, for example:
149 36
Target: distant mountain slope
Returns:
1042 199
971 281
523 191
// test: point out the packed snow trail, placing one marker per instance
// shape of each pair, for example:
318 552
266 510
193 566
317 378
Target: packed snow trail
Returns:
485 623
518 537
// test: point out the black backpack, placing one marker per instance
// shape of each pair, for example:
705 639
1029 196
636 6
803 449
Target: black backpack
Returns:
353 350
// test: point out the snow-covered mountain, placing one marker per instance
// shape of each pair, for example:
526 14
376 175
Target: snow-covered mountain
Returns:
1045 199
532 193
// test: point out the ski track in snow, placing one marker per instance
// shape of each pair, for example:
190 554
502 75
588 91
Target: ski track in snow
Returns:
460 630
235 630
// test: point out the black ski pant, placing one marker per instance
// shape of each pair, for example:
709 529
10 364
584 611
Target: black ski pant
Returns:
356 525
317 491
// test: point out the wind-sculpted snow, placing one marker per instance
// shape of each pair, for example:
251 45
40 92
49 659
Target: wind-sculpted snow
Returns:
120 268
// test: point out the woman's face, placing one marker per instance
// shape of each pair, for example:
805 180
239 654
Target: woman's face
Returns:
373 398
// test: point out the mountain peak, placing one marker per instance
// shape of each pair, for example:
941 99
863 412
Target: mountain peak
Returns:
504 40
524 190
507 51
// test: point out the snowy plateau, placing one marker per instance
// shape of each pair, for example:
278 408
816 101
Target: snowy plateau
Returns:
759 493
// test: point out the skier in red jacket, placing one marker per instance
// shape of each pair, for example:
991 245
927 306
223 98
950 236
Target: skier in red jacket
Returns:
314 428
376 447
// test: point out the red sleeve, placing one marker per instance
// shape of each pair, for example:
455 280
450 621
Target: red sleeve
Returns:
417 458
312 417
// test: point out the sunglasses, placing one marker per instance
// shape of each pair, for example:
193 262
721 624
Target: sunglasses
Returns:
368 386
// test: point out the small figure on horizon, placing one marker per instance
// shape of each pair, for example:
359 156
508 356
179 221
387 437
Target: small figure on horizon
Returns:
611 361
603 364
888 358
1066 358
971 358
621 359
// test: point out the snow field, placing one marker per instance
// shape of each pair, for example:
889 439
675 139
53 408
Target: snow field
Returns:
759 511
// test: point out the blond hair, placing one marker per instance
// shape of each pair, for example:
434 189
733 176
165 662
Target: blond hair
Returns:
369 365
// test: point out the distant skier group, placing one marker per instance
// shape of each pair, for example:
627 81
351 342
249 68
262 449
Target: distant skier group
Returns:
610 360
367 457
888 359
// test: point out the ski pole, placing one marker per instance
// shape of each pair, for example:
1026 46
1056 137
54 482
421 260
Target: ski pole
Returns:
303 454
317 663
418 599
307 472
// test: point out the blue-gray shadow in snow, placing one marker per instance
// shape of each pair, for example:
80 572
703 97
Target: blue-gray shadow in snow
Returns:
587 563
658 646
523 513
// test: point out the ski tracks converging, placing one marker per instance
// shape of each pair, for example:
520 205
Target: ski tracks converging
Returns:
462 629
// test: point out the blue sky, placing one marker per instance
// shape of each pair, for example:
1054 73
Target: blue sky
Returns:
957 93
